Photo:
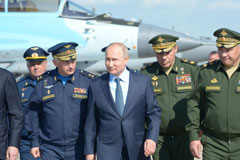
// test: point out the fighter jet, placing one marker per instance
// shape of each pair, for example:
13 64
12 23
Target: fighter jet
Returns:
44 23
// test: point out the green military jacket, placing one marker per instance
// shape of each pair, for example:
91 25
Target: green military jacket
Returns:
172 93
215 102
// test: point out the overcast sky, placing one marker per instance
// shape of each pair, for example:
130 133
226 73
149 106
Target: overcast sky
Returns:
194 17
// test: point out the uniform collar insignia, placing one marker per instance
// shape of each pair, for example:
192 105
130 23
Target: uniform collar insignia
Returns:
154 78
214 80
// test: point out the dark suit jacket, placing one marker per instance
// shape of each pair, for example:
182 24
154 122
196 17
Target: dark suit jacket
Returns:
10 109
105 128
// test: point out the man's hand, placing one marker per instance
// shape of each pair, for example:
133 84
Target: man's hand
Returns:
196 148
90 157
12 153
149 147
35 151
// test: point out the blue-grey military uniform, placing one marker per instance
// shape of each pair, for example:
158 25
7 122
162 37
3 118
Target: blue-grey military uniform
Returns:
26 86
58 113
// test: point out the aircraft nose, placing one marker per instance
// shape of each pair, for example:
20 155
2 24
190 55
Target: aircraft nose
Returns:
146 32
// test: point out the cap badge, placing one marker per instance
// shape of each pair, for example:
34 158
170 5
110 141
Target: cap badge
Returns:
67 46
34 48
34 55
222 39
223 33
160 39
214 80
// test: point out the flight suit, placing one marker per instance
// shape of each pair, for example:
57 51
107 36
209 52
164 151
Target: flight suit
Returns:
172 93
214 105
58 114
26 86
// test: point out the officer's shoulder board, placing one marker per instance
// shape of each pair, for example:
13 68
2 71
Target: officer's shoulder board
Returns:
21 79
87 74
184 60
209 64
43 76
147 66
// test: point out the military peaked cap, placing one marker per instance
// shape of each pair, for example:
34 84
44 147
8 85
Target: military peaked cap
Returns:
227 38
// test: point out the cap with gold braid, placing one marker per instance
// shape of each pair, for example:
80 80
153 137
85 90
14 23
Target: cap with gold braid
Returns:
64 51
163 43
35 53
227 38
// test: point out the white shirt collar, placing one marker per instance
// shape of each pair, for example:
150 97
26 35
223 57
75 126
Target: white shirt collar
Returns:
124 76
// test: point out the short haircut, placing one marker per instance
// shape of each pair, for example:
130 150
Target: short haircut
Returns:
122 46
213 52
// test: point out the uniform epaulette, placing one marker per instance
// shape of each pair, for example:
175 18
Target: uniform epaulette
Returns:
189 61
21 79
43 76
147 65
203 65
87 74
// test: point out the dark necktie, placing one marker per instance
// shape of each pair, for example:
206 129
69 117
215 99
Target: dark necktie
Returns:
119 97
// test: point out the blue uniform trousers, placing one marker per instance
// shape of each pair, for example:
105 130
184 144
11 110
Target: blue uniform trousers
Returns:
49 152
25 148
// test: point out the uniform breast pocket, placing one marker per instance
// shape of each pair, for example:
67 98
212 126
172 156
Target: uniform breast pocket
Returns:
80 97
184 88
80 100
212 89
24 100
158 91
48 98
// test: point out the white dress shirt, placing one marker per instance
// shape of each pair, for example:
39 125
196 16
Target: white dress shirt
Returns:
124 84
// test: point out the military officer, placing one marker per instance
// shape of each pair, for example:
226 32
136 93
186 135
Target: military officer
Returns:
173 80
214 104
36 59
58 107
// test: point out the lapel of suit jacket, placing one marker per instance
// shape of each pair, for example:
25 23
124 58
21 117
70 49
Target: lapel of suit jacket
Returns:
107 93
131 90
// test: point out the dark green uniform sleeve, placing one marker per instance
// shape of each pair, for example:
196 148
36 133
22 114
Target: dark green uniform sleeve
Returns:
194 108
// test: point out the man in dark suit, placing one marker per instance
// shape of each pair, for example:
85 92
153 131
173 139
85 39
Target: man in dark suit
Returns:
10 109
121 102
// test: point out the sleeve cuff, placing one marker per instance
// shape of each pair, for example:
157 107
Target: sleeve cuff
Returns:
193 136
35 143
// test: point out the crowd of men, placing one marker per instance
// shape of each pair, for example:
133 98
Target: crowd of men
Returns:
168 111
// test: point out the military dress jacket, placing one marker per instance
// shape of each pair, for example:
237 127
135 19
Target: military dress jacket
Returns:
25 88
58 111
214 104
10 109
173 91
